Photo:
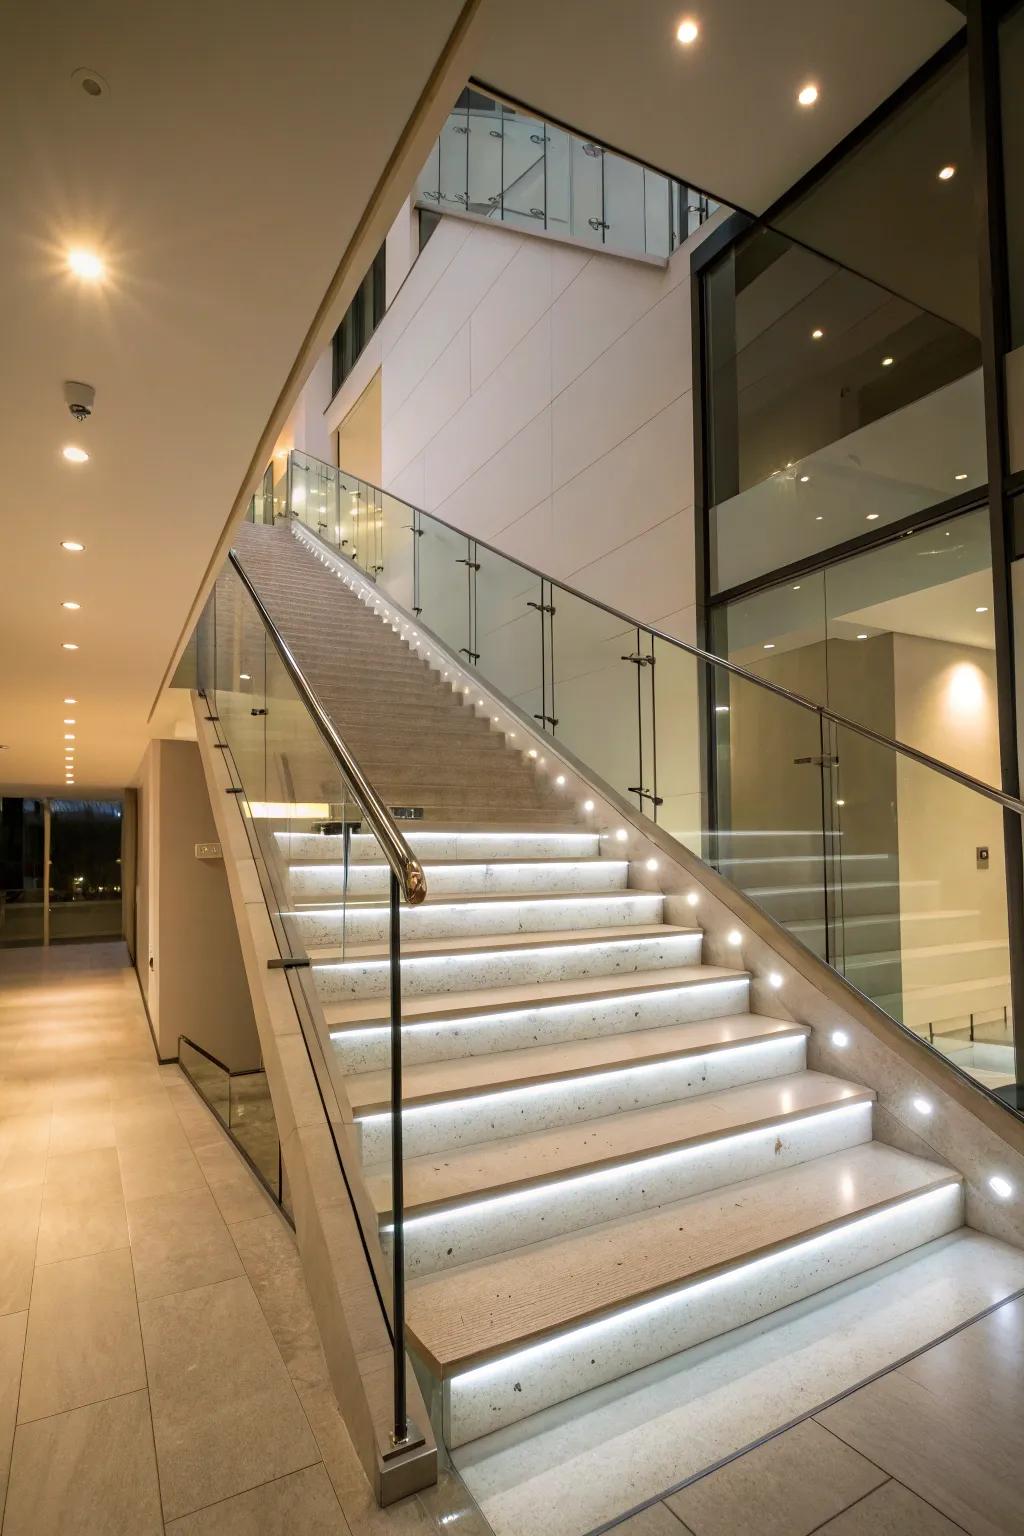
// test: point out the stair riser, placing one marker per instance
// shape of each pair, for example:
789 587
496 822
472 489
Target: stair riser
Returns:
444 921
480 1230
461 973
503 1392
473 781
443 844
369 1050
323 882
514 794
540 1106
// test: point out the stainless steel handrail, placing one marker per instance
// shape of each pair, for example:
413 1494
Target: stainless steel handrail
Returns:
404 865
1008 802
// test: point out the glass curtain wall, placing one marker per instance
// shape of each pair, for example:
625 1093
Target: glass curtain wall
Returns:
60 865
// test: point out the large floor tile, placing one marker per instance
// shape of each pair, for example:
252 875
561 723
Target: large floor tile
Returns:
92 1175
178 1242
72 1229
12 1346
18 1249
791 1485
90 1472
891 1510
272 1262
656 1520
225 1414
241 1198
302 1501
156 1169
81 1130
83 1342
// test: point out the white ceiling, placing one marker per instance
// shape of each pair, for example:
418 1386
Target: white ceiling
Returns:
721 114
223 176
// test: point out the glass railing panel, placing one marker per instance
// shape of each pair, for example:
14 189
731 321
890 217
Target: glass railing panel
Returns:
769 810
398 534
624 204
453 152
240 663
444 585
510 629
252 1124
558 202
588 222
597 690
657 214
485 163
522 185
428 186
678 682
210 1079
923 903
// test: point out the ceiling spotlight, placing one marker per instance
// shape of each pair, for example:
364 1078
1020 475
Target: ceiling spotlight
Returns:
86 264
769 645
532 752
872 517
721 709
804 479
961 476
692 898
887 362
797 587
74 455
560 779
621 835
982 609
840 802
71 605
588 805
817 333
68 645
652 865
947 173
808 95
70 701
69 736
72 546
862 637
244 677
735 937
70 720
687 32
774 980
840 1038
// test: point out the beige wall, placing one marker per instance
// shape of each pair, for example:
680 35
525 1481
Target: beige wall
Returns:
189 961
359 435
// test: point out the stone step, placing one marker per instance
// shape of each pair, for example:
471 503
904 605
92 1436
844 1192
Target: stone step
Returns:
323 881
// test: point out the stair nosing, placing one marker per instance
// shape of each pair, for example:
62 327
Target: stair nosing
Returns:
509 943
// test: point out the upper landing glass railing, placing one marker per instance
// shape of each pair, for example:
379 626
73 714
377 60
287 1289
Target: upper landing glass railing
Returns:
880 859
498 163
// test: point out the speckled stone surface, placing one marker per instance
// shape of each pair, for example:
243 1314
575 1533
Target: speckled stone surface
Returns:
325 881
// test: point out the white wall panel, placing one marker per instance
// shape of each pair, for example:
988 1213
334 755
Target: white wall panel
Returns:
428 408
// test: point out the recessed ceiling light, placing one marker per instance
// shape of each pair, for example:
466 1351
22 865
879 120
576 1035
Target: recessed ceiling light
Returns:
817 333
72 546
797 587
70 720
621 835
862 637
769 645
820 518
71 605
804 479
961 476
588 805
808 95
652 865
887 362
687 32
981 610
69 736
840 1038
68 645
734 936
86 264
872 517
74 455
947 173
70 701
721 709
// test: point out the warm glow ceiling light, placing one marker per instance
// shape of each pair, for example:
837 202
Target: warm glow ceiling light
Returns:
69 736
71 605
804 479
75 455
817 333
872 517
70 720
769 645
72 546
961 476
862 637
68 645
807 96
86 264
687 32
887 362
70 701
947 173
983 609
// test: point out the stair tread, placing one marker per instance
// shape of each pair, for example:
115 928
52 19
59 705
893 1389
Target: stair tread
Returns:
490 898
361 1013
461 1317
485 943
466 1076
489 1168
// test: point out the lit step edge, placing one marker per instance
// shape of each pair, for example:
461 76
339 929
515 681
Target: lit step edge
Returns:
478 898
582 1168
666 1042
504 1388
503 943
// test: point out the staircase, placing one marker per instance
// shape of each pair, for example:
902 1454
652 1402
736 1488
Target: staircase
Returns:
609 1157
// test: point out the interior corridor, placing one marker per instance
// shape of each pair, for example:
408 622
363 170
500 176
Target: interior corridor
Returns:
160 1367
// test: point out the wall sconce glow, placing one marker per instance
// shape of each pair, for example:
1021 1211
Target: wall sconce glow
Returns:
68 645
560 779
1000 1186
817 333
588 805
85 264
692 898
840 1039
652 865
923 1106
72 546
735 937
774 980
808 95
687 32
966 689
947 173
75 455
621 835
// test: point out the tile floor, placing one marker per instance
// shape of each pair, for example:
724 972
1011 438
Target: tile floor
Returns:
160 1368
933 1448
